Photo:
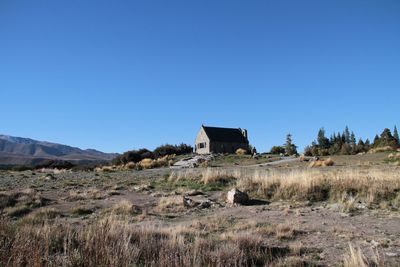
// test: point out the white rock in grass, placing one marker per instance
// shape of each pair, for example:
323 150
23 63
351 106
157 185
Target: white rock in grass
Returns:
236 196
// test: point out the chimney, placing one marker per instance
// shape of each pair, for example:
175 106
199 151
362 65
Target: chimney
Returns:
244 132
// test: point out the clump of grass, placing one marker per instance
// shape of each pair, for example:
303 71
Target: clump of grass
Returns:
355 258
322 163
241 151
370 185
109 242
170 204
7 199
285 231
92 193
125 207
81 210
40 216
20 203
17 211
189 179
348 203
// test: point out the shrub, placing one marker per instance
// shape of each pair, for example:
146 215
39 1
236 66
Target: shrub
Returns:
146 163
241 151
277 150
137 156
168 149
132 156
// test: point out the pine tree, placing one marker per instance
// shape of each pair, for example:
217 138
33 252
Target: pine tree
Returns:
339 140
367 145
396 135
376 141
290 148
387 139
343 139
323 142
361 146
352 139
346 135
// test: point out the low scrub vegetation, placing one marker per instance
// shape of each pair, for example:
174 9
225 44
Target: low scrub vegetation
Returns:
372 185
109 242
17 204
163 151
241 151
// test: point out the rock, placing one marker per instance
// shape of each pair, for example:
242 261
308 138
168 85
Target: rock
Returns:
361 206
236 196
198 203
189 203
194 193
374 243
49 177
335 207
144 187
391 254
204 205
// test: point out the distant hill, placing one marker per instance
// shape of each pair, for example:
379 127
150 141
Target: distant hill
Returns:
25 151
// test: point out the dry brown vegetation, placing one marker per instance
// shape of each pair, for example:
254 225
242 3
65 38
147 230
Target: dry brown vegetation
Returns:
321 163
371 184
146 163
113 243
241 151
138 218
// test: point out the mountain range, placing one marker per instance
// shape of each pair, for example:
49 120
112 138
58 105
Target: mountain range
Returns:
26 151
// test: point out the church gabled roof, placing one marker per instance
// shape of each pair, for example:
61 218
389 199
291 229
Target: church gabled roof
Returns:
229 135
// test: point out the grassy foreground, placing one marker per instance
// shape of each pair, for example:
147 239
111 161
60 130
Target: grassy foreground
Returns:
378 185
93 219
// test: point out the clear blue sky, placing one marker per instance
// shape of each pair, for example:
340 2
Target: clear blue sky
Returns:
119 75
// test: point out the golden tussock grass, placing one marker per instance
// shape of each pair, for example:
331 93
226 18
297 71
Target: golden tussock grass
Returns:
124 207
241 151
41 215
369 184
322 163
381 149
170 204
355 258
285 231
109 242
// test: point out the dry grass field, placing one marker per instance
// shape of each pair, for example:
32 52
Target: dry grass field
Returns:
342 215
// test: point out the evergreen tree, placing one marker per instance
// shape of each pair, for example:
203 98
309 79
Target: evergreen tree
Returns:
339 140
367 142
396 135
367 145
387 139
290 148
331 140
323 142
346 135
352 139
361 146
376 141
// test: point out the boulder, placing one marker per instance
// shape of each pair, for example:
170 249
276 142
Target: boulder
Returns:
192 193
196 203
189 203
235 196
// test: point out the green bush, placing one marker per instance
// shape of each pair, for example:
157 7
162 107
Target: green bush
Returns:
277 150
168 149
132 156
161 151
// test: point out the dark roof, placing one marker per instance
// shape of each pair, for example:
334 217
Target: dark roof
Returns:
229 135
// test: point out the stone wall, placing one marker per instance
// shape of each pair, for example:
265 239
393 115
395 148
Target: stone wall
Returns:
202 138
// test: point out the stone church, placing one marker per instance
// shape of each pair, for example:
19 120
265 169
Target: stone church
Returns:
220 140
